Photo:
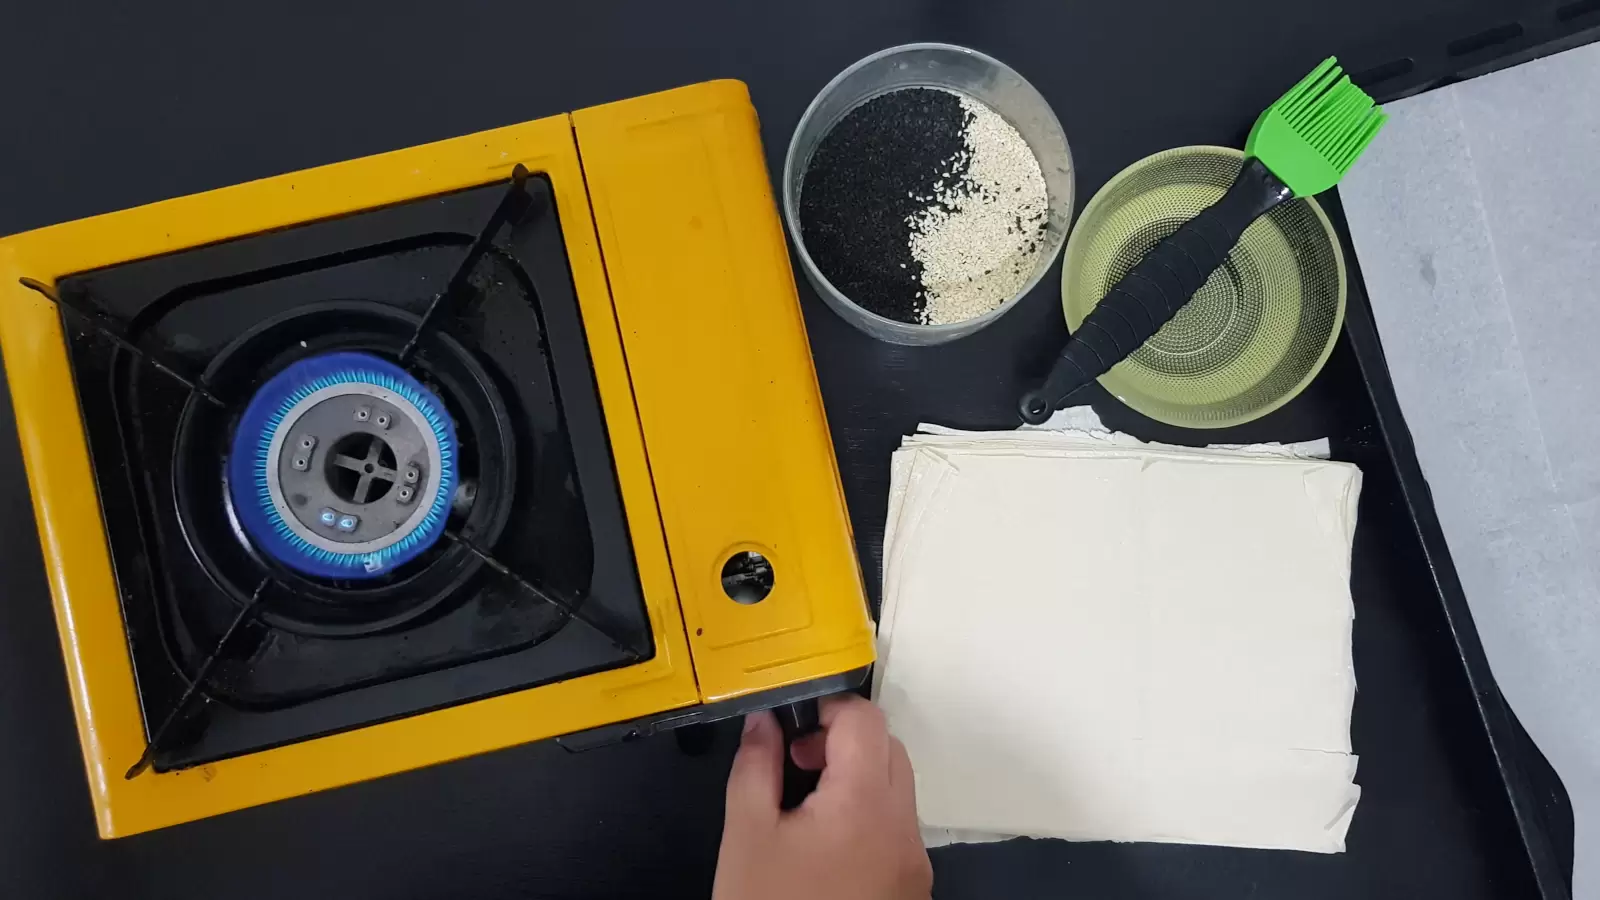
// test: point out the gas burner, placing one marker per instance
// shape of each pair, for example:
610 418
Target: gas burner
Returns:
343 466
258 515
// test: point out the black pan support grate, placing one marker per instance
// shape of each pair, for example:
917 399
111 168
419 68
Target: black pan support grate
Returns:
513 205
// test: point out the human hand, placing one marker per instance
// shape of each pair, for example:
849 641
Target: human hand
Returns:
854 838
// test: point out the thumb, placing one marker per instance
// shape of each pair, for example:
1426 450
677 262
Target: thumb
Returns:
755 784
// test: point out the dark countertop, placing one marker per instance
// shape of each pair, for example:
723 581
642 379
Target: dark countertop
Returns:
126 105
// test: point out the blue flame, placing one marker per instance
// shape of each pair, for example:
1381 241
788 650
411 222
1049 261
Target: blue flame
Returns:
264 417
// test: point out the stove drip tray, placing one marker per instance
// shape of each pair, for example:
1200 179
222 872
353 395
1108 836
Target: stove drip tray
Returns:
353 470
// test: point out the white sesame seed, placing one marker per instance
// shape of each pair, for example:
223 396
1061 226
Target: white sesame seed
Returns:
974 256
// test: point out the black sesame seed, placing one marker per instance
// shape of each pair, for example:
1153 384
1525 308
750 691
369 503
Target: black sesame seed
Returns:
868 177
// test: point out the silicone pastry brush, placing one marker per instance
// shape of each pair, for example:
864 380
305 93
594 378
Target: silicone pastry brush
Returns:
1301 145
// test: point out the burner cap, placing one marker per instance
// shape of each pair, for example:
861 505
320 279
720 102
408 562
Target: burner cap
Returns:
343 466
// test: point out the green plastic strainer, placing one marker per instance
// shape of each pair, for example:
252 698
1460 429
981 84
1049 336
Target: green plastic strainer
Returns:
1254 335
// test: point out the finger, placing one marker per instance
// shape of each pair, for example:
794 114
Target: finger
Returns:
857 741
810 751
755 784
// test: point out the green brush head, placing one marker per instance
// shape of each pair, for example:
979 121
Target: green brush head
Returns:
1312 135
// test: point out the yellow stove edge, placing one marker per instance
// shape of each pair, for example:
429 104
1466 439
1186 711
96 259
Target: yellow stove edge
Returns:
711 403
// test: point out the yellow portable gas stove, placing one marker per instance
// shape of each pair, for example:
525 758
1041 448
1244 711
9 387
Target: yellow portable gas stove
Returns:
393 461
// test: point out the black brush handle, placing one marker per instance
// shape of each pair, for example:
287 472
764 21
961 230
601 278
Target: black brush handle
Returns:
1152 292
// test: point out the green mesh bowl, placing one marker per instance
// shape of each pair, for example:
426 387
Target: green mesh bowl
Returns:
1258 331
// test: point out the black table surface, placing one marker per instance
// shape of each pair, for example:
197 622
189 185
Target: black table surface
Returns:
125 104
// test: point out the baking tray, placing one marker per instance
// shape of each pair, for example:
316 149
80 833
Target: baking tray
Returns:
1402 65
